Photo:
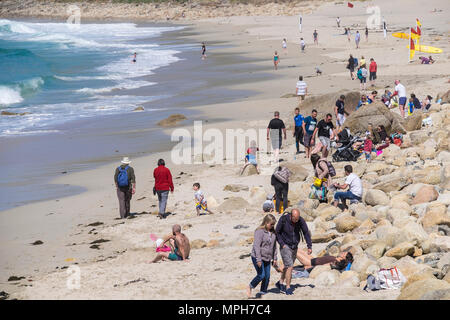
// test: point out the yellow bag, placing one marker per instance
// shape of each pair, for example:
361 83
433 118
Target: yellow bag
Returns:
317 182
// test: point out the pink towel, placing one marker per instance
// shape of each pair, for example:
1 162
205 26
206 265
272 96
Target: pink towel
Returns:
379 152
163 249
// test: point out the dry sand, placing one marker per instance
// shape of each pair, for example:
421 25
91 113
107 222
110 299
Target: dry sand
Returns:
120 268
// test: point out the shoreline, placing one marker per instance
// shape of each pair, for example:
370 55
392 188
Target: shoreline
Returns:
129 244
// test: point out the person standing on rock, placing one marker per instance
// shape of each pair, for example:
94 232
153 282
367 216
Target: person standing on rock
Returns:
298 131
354 185
400 91
323 128
288 232
125 182
264 253
340 112
180 246
309 126
281 190
163 183
276 125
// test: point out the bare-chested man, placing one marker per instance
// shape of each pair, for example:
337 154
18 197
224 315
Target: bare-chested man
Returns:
179 243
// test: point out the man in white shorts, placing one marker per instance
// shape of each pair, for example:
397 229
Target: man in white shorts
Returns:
400 90
323 128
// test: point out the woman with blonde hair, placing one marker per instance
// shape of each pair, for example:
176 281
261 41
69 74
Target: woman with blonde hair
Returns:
264 252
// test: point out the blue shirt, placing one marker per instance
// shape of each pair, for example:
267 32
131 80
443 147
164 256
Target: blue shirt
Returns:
298 120
310 124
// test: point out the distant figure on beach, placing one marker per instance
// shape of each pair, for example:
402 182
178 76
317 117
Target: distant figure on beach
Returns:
362 76
276 125
200 201
384 29
301 89
298 129
288 231
351 66
349 33
125 182
134 58
163 183
357 39
302 45
250 158
203 51
309 126
340 112
425 60
338 22
372 72
400 91
264 253
318 71
367 34
180 246
276 60
284 46
316 37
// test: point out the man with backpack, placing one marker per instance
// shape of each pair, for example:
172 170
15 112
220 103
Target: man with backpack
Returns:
280 182
126 186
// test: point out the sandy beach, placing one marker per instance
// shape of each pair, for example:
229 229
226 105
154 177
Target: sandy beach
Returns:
113 255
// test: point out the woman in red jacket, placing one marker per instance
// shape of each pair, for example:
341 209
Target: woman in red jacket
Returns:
163 183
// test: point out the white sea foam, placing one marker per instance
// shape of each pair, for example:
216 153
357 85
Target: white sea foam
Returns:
9 96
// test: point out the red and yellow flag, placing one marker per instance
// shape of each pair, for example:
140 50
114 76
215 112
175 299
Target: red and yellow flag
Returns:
412 49
418 23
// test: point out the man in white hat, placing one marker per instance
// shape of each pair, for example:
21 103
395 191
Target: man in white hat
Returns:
126 186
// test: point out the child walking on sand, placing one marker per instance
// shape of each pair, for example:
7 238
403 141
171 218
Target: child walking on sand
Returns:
264 253
276 60
200 201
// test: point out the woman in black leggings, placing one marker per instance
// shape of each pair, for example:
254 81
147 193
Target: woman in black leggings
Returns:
281 192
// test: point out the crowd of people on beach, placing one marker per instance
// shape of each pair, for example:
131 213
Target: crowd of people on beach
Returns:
318 138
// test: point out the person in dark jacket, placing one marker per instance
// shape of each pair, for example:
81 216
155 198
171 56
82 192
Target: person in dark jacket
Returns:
163 184
125 188
281 192
288 237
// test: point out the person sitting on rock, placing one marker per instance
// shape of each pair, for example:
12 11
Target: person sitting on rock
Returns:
354 185
339 263
250 158
179 243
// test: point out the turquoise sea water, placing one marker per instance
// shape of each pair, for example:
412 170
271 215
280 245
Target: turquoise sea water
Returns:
59 72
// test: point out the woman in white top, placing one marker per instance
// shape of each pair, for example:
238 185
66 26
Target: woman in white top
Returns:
284 45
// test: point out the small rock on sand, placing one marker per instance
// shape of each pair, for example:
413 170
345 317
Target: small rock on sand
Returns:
172 120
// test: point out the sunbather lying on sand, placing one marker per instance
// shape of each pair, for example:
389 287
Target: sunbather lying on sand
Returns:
340 262
180 246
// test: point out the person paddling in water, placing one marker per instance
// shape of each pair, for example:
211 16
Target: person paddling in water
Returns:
203 51
276 60
134 58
